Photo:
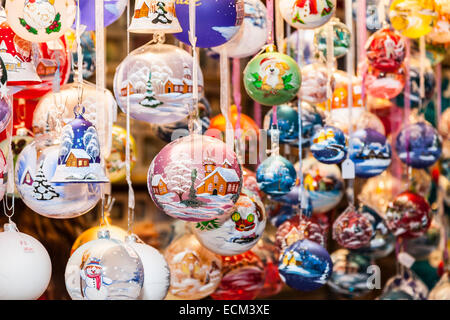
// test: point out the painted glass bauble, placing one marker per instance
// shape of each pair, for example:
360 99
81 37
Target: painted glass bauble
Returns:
157 82
90 234
385 85
419 145
341 39
350 276
421 247
352 230
314 83
35 168
87 40
116 161
195 272
217 22
404 286
253 33
386 50
441 30
272 78
159 17
25 266
279 212
6 110
305 265
441 290
104 269
112 10
373 14
243 277
287 123
370 152
313 119
247 124
329 145
40 20
235 234
306 39
364 120
276 176
195 178
408 215
309 14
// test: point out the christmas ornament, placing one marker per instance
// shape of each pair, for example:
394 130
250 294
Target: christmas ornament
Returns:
408 215
373 18
404 286
25 267
265 250
312 120
156 270
247 124
34 172
249 182
329 145
352 230
279 212
365 120
309 14
253 33
154 16
314 83
385 85
370 152
305 265
87 40
40 20
242 279
350 276
217 22
441 31
5 112
290 46
272 78
91 234
195 178
157 80
287 123
441 290
239 232
341 39
276 176
104 269
421 247
195 272
116 162
418 145
112 11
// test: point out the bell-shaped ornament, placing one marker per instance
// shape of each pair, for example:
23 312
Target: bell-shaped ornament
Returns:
151 16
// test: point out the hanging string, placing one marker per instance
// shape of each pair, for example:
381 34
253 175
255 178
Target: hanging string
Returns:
193 114
78 33
236 79
330 61
269 4
422 55
279 25
302 201
7 209
362 38
407 104
225 96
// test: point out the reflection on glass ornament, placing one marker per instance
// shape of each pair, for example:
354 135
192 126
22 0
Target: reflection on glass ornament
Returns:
159 17
217 22
305 265
272 78
40 20
195 272
290 46
195 178
314 83
157 81
235 234
303 14
87 40
248 126
329 145
116 161
112 11
350 276
419 145
287 123
253 33
35 169
5 113
408 215
441 290
341 39
421 247
404 286
243 277
370 152
384 85
352 230
104 269
276 176
25 266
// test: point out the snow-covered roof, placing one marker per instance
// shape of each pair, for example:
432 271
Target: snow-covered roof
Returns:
9 58
156 178
79 154
226 162
175 81
229 175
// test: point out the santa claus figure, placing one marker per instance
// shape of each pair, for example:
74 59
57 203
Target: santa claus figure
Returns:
95 283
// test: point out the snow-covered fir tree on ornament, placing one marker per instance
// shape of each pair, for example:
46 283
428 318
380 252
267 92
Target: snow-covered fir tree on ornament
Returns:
150 100
42 190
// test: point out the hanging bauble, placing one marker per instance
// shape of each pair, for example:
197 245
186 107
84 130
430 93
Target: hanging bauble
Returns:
373 19
79 153
350 276
404 286
408 215
195 272
442 6
419 145
195 178
386 50
40 20
329 145
158 17
276 176
441 290
35 170
412 18
112 10
116 162
279 212
253 33
305 265
287 123
25 267
237 233
341 39
290 46
217 22
384 85
242 279
156 270
364 120
370 152
272 78
104 269
352 230
314 83
421 247
87 40
249 182
5 112
444 124
157 80
441 31
312 120
307 14
248 125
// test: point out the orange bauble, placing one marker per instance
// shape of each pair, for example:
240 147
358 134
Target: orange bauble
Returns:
247 123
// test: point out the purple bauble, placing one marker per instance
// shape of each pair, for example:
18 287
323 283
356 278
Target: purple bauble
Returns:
216 21
113 10
5 113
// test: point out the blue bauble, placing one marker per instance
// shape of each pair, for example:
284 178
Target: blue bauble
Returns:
276 176
423 148
370 152
312 120
287 120
329 145
279 212
305 265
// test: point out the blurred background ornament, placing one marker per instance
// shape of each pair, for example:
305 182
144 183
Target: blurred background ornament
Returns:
329 145
314 83
276 176
87 40
116 162
442 289
113 10
6 110
352 230
341 39
385 85
290 45
421 247
158 17
404 286
287 123
302 14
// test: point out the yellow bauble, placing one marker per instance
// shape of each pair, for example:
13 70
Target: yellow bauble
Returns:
115 163
413 18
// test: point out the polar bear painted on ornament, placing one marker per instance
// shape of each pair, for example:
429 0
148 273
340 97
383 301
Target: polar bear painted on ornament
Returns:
39 14
94 280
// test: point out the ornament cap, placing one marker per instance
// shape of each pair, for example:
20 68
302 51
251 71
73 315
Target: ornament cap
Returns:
104 234
271 48
10 227
132 238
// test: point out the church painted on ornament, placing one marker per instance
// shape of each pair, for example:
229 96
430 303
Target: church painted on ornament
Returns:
221 180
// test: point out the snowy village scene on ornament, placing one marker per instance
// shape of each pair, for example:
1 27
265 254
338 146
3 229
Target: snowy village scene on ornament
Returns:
153 16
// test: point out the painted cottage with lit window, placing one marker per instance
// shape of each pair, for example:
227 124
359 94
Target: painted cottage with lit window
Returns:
219 180
159 186
78 158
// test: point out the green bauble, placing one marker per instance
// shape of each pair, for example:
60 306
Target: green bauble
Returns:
272 78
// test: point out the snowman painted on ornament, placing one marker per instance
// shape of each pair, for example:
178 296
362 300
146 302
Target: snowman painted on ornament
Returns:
40 14
95 283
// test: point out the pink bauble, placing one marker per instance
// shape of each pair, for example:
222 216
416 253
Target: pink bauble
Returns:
352 230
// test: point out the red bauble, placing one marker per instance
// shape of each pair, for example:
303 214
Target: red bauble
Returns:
383 84
408 215
352 230
386 50
265 249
